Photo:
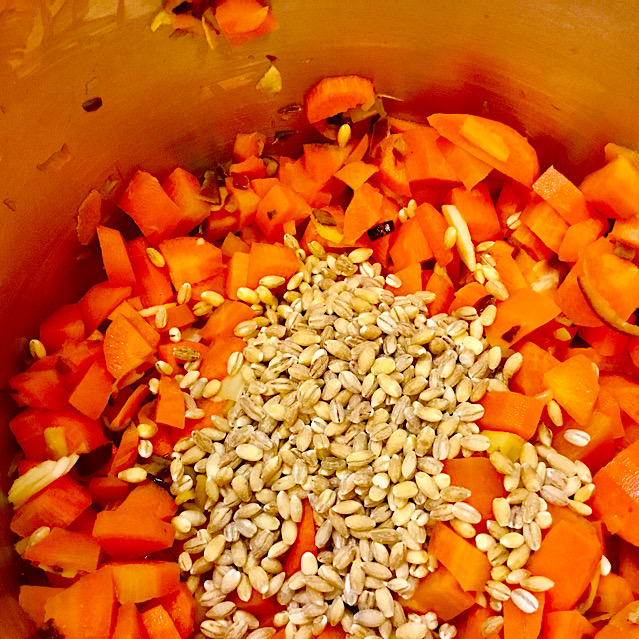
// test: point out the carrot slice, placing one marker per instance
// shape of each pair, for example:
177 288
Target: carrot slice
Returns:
136 582
128 623
146 202
555 560
495 143
85 610
115 257
225 318
170 404
575 386
65 550
511 412
333 95
33 599
519 624
468 565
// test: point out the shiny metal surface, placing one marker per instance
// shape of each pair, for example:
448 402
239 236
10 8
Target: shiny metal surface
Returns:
565 72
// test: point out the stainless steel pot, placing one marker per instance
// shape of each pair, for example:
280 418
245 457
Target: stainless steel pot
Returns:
565 72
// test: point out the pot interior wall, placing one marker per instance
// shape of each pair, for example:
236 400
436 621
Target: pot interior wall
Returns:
565 73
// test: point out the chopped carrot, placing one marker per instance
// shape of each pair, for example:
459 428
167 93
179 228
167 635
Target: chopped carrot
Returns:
440 593
410 245
153 284
184 189
85 610
511 412
214 362
555 560
468 565
480 477
575 386
616 494
127 451
125 536
333 95
247 145
496 144
566 624
238 274
244 20
170 405
411 280
100 301
125 348
136 582
434 225
442 286
614 188
180 605
158 623
59 504
477 209
519 624
558 191
190 259
33 599
270 259
128 623
356 174
545 223
115 257
92 392
363 212
65 550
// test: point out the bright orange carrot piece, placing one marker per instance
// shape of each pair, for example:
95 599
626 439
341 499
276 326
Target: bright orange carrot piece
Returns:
180 605
468 565
480 477
115 257
545 223
59 504
128 623
555 560
434 225
244 20
238 274
362 213
190 259
566 624
170 404
356 174
411 278
620 626
86 609
91 394
126 536
511 412
439 592
519 624
575 386
469 169
337 94
153 284
65 550
151 500
614 188
184 189
125 348
127 451
616 498
409 245
613 594
158 623
136 582
33 599
39 389
215 360
477 209
495 143
270 259
440 284
523 312
65 323
100 301
556 189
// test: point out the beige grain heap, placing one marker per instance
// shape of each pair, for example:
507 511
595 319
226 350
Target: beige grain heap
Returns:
352 397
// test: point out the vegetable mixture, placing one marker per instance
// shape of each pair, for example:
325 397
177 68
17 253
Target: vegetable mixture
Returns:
388 388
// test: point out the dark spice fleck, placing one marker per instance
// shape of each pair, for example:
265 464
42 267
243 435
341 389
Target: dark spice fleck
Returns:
183 7
88 463
510 334
283 135
484 302
48 631
380 230
92 104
